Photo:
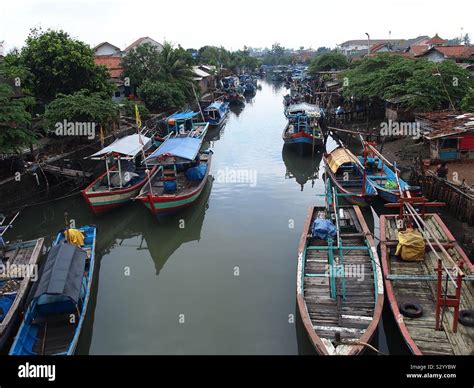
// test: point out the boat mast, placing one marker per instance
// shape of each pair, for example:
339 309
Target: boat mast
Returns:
107 169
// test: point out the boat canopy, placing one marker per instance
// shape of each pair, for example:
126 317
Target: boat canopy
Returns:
182 115
63 272
216 105
340 156
181 147
128 146
309 109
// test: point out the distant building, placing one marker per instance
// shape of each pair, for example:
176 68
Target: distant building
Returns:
451 136
363 44
110 56
107 49
145 40
455 53
204 75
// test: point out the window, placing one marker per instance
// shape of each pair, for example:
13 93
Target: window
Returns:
117 94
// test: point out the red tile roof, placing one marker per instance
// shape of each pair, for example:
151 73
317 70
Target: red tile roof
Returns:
418 49
112 63
435 40
139 41
457 51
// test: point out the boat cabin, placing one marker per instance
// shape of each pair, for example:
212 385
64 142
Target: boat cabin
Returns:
185 124
122 162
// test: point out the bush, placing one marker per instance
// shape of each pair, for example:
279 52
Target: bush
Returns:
127 108
161 95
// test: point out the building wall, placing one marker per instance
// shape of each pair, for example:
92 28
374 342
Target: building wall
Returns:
107 50
434 56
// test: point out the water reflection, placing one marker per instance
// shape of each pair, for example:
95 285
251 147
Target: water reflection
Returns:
300 168
236 109
163 239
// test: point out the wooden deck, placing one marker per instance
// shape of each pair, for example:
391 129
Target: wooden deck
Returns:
420 333
355 317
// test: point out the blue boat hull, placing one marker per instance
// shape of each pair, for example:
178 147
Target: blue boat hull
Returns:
29 331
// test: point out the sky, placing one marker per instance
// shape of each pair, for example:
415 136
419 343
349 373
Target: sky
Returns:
255 23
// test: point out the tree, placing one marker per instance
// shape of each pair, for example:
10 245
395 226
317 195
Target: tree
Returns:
466 40
278 55
145 64
127 108
161 95
14 122
467 103
426 85
81 106
60 64
141 63
328 61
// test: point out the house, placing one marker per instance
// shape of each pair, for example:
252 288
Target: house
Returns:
141 41
363 44
110 56
451 136
395 109
206 81
423 45
107 49
455 53
114 66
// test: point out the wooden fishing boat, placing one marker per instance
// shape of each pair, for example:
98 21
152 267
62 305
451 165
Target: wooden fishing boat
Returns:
20 261
180 177
431 299
348 175
56 313
384 175
216 113
123 181
303 131
339 280
185 124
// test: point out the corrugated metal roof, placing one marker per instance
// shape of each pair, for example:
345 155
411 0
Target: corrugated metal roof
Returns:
126 146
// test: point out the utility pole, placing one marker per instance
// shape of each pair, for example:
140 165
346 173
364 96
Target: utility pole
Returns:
368 43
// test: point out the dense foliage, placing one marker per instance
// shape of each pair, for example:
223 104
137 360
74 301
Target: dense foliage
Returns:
52 62
163 79
15 122
239 60
278 55
81 106
329 60
162 95
424 85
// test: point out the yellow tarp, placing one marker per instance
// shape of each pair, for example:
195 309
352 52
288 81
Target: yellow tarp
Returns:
74 237
340 156
411 245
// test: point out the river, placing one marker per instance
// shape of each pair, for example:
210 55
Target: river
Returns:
219 277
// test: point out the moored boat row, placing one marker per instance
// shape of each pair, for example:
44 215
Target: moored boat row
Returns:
426 275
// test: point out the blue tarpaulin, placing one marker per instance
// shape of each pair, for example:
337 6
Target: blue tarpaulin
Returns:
181 147
6 302
323 229
196 173
183 115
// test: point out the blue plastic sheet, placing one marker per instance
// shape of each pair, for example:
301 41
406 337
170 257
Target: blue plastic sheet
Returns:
323 229
196 173
6 302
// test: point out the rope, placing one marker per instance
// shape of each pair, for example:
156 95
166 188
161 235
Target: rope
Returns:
349 342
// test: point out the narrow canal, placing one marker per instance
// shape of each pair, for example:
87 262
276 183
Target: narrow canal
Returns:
218 278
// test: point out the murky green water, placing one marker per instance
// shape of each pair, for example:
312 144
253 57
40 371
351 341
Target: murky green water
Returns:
225 282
